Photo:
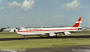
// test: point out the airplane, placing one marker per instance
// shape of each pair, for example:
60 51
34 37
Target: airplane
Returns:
53 31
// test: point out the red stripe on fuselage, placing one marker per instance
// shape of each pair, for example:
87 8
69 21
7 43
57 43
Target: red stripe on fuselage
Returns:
34 30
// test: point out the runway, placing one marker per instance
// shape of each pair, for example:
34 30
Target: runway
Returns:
10 39
85 48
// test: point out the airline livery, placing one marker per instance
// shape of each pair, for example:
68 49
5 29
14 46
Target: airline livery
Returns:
51 31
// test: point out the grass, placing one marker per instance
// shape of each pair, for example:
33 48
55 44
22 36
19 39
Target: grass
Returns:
41 43
8 35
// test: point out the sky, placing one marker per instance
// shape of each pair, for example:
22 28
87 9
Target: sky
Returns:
38 13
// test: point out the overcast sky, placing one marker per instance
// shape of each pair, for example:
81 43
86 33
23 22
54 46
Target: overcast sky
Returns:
43 12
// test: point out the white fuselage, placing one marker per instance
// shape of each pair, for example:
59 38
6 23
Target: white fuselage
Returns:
38 31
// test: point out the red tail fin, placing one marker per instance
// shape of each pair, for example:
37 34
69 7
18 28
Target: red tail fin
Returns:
77 24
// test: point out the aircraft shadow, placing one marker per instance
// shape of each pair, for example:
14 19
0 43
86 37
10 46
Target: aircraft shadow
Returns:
9 39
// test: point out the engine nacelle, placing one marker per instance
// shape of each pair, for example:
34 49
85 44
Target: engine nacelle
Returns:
66 33
52 34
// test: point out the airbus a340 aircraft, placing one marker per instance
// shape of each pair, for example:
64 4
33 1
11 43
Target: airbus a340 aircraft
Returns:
51 31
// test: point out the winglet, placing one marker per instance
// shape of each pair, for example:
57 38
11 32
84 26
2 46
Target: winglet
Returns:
77 24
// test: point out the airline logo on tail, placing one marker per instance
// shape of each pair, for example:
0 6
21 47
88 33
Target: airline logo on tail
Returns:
77 24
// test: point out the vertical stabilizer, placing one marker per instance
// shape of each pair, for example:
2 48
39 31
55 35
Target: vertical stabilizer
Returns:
78 23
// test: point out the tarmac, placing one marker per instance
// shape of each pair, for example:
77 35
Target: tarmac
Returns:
85 48
63 49
10 39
